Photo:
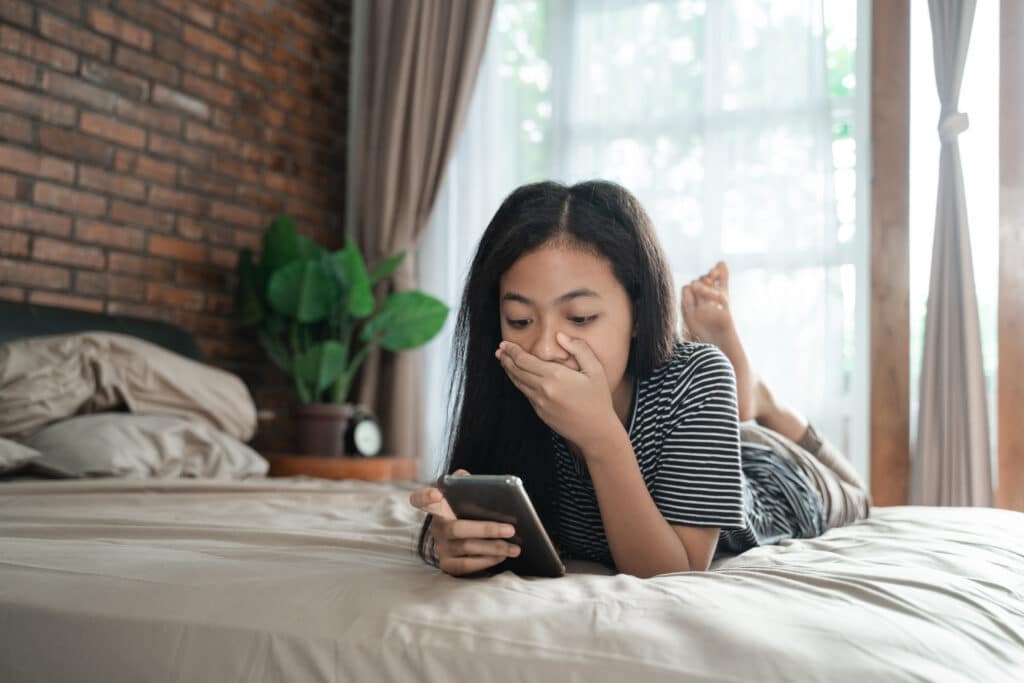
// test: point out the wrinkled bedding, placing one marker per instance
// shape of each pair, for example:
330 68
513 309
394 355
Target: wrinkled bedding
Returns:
308 580
46 379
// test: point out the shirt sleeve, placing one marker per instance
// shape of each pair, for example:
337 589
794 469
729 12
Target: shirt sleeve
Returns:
699 481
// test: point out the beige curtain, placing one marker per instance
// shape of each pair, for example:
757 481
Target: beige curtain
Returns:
951 463
414 67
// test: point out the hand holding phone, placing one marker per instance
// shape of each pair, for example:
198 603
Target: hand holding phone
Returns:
502 499
464 546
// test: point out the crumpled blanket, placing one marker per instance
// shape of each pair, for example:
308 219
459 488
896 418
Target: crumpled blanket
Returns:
45 379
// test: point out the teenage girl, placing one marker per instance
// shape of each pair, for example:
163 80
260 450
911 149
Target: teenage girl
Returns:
628 440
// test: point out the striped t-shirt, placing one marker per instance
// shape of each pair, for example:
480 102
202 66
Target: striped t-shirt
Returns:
685 434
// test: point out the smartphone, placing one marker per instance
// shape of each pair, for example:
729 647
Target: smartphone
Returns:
502 498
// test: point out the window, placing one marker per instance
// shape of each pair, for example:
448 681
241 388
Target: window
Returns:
737 124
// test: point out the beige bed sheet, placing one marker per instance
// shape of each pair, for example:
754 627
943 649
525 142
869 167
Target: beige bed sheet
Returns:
306 580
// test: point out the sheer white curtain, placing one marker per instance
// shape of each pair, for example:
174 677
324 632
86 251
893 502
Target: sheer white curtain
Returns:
717 116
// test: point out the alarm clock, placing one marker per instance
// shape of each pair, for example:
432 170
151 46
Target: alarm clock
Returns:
363 436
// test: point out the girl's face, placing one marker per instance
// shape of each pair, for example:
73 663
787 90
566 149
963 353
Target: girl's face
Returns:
563 289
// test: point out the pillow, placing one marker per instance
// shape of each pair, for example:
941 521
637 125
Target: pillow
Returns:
13 455
45 379
140 447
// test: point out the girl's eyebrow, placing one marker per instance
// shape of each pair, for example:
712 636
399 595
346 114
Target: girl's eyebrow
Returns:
568 296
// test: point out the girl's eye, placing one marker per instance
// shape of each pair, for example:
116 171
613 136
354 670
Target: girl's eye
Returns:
519 324
581 319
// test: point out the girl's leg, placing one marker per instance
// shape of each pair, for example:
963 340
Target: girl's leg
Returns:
706 315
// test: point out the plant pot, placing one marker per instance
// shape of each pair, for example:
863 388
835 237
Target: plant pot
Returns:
321 428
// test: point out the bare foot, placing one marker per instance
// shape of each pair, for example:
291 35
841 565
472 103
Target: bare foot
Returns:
707 317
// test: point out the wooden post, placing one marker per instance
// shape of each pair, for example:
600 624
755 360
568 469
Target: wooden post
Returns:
1010 485
890 252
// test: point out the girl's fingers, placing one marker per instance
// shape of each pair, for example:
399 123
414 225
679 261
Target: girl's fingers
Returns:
471 547
471 528
522 359
707 292
456 566
431 501
519 377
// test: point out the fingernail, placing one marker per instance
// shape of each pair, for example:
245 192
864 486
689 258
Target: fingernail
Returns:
508 530
563 337
514 551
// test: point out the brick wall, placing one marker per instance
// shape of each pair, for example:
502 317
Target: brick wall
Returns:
143 143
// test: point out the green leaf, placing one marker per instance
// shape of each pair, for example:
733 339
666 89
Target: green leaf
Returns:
350 268
386 267
303 290
249 298
320 366
406 320
281 244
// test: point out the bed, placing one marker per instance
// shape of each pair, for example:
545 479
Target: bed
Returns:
309 580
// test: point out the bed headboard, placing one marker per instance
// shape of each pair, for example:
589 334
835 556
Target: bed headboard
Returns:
19 320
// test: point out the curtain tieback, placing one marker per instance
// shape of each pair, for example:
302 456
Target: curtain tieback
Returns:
951 125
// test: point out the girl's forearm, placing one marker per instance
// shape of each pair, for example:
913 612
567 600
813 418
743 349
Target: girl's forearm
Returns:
642 543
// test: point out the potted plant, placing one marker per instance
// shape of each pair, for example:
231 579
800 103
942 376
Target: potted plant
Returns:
317 319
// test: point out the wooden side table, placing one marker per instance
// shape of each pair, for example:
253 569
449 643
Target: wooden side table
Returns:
379 468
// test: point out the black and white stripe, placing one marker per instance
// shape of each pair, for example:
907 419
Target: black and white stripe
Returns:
685 434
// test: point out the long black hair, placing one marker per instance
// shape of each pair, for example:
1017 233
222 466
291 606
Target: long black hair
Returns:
492 427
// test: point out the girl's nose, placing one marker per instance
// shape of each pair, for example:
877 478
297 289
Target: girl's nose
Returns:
547 348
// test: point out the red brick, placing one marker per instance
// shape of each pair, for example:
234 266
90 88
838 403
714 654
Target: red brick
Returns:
200 15
168 295
13 243
233 168
176 249
141 216
220 303
17 70
209 43
79 39
29 46
195 132
112 130
115 79
97 232
16 12
31 218
251 240
225 258
37 106
174 200
109 183
190 229
57 251
145 12
209 91
75 145
140 63
201 275
8 185
186 57
66 301
207 182
110 286
69 8
33 274
151 169
15 128
127 32
150 117
240 81
189 154
71 201
11 293
238 215
143 266
262 68
30 163
179 100
74 88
